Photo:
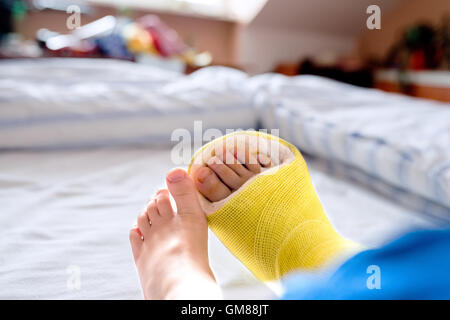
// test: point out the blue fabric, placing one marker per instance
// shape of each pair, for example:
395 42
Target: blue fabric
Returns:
415 266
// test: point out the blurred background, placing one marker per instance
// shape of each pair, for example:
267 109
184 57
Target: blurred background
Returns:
99 99
410 54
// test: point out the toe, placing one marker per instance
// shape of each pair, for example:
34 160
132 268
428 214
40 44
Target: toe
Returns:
143 224
153 212
264 160
228 158
246 157
163 204
183 191
136 242
210 185
226 174
252 163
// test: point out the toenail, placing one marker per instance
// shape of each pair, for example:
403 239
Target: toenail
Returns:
212 161
203 175
263 159
176 176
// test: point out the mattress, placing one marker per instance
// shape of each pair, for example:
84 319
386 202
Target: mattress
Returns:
72 210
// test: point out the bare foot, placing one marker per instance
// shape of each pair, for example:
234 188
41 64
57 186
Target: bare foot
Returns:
171 252
170 248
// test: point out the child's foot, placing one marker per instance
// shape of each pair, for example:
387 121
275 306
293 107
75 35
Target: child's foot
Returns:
170 248
226 172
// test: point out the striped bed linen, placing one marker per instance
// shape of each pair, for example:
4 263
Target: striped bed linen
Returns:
435 213
399 140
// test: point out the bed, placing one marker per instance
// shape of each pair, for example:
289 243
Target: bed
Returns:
72 183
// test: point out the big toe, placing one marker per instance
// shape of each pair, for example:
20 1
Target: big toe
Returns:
209 185
183 191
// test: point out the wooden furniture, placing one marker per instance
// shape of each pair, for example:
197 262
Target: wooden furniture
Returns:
421 84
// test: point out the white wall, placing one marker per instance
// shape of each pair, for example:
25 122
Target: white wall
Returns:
261 48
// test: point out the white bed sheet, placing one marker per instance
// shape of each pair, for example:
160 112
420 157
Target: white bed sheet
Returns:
74 208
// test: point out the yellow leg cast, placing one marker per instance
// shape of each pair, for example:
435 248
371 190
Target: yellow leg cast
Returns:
275 222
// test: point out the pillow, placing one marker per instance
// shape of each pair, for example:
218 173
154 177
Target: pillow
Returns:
74 103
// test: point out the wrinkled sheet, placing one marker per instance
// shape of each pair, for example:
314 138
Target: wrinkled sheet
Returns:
72 210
